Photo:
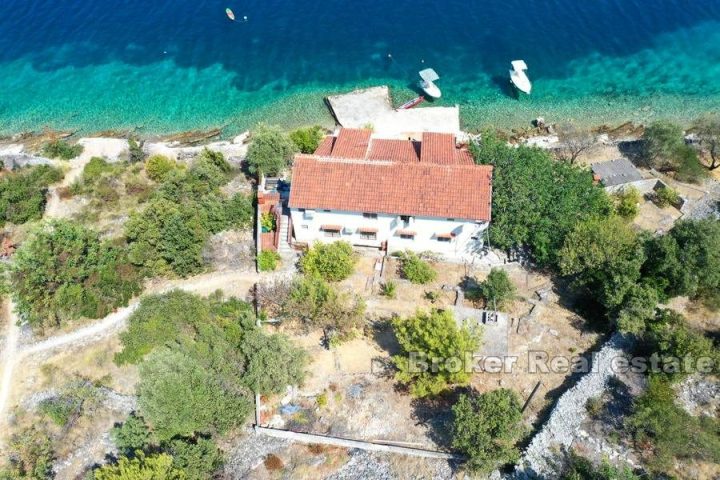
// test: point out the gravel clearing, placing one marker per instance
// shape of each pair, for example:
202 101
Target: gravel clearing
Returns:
249 453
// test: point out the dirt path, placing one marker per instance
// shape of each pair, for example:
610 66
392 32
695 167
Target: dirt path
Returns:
8 357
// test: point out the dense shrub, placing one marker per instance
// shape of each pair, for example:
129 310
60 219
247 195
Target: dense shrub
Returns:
486 428
673 433
169 234
131 435
62 150
200 360
95 168
23 193
198 458
424 337
270 151
158 167
665 149
315 303
307 139
497 289
581 468
135 151
268 260
537 201
665 196
415 269
140 467
30 455
686 261
331 261
626 202
65 272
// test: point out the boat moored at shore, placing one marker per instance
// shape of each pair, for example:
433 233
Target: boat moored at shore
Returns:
427 79
519 78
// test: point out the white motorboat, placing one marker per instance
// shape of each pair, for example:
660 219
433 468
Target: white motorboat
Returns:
428 76
519 78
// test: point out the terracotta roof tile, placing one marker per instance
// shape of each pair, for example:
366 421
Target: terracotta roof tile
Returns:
325 147
351 143
438 148
394 150
400 188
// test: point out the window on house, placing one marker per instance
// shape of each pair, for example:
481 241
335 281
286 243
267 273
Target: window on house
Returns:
305 227
450 219
368 233
326 210
444 237
331 230
405 218
407 236
370 215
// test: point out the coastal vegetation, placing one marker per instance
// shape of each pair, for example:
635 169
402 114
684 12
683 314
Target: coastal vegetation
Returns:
270 151
200 361
536 201
707 129
486 428
426 337
307 139
627 202
158 167
574 142
415 269
65 272
665 149
497 290
62 150
312 303
23 193
331 261
168 235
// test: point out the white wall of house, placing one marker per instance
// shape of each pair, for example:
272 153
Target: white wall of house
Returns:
467 235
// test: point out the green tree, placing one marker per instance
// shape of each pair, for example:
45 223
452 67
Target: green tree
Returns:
131 435
435 352
179 396
271 362
662 140
317 304
179 315
140 467
536 200
331 261
64 272
158 167
673 433
626 202
486 429
198 458
135 151
415 269
62 150
497 289
307 139
23 193
708 132
270 151
637 308
686 261
30 456
95 168
604 255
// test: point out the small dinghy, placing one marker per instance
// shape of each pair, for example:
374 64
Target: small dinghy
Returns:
428 76
411 103
519 78
230 14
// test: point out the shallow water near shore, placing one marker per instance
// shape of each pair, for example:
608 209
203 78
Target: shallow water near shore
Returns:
166 66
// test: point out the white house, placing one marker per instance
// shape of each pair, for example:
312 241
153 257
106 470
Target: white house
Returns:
392 194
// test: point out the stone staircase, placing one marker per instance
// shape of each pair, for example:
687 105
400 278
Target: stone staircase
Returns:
284 249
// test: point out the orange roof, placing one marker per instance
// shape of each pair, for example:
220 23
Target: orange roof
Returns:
351 143
325 147
438 148
397 188
394 150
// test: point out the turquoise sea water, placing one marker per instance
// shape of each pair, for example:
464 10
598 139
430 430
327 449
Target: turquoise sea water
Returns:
166 66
